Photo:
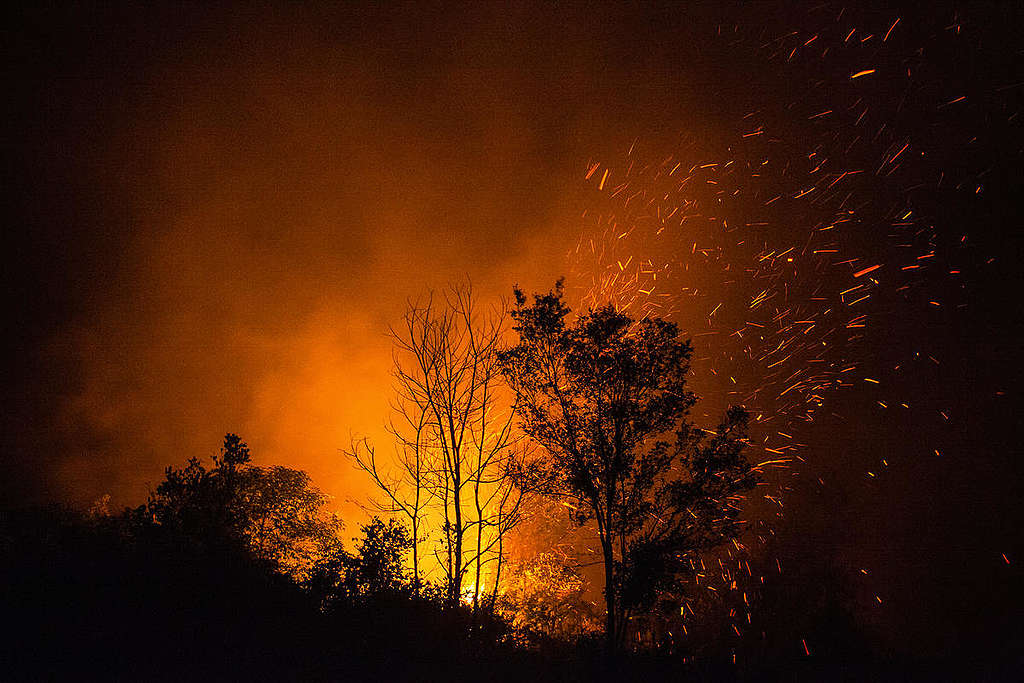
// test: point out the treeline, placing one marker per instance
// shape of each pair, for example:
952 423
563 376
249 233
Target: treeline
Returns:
231 570
227 572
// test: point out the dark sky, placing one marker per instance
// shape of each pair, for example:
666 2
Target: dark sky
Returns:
213 214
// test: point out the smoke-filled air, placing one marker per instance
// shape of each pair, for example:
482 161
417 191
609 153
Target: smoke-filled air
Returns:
498 340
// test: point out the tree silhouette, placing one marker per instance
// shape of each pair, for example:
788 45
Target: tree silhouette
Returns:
275 513
605 396
377 568
546 597
456 455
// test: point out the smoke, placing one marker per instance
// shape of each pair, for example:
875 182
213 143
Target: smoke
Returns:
215 214
262 193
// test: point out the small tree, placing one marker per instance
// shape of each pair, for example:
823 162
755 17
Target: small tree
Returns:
545 596
378 566
603 396
403 486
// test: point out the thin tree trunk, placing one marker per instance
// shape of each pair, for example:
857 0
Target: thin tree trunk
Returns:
415 556
449 542
457 567
608 546
479 544
609 595
497 572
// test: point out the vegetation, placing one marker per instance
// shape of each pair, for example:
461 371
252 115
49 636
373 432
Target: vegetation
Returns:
274 513
457 458
602 396
231 570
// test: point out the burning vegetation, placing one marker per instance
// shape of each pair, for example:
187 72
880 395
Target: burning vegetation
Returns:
585 415
763 429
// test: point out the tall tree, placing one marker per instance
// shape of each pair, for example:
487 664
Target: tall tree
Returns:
606 397
456 457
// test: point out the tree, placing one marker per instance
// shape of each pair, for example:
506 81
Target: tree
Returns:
285 518
403 486
606 398
378 566
274 513
456 455
375 571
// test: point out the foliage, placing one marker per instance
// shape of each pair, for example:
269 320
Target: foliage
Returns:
606 398
376 570
275 512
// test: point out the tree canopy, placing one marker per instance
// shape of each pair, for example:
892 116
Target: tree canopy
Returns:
605 395
274 512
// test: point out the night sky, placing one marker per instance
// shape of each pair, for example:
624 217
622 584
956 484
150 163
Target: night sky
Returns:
212 215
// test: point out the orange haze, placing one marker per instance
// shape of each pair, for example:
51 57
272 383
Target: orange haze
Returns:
264 188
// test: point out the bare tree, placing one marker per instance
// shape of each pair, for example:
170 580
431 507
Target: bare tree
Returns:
457 458
403 487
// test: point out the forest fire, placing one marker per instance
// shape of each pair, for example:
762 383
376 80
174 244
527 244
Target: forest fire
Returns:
683 237
581 342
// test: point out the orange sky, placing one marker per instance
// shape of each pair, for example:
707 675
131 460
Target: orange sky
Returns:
283 193
230 206
240 202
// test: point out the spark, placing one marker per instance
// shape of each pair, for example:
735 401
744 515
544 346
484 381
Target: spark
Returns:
870 269
887 33
716 231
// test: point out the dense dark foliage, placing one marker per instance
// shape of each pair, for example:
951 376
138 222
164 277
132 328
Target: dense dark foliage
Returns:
274 513
153 594
228 573
606 398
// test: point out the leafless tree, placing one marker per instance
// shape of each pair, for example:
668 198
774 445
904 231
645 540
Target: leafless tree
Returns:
458 460
402 486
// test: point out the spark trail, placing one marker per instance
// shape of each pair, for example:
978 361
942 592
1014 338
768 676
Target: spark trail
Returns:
789 248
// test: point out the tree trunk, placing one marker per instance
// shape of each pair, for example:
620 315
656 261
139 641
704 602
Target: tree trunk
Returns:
457 566
497 573
449 545
609 596
415 556
479 543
